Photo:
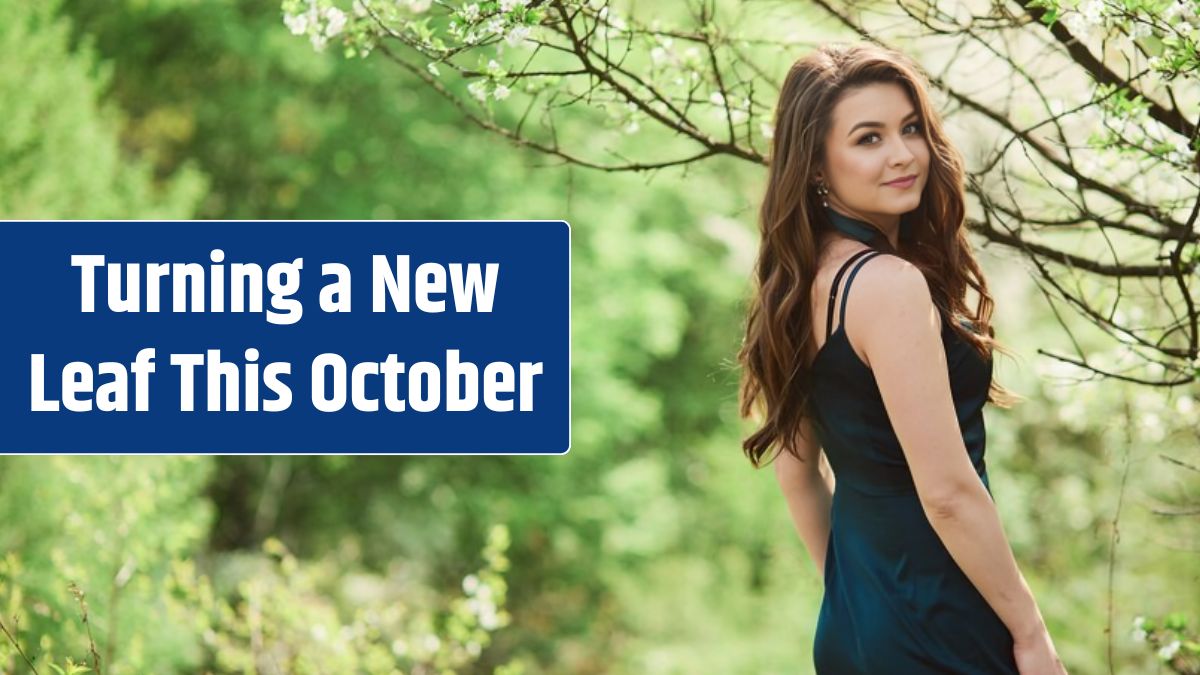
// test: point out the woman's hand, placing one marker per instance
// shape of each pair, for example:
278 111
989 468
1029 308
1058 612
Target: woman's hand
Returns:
1035 655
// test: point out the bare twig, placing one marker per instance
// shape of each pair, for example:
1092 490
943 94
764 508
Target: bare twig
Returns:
1116 531
82 600
16 645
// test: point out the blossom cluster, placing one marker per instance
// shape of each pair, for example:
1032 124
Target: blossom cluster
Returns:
1170 640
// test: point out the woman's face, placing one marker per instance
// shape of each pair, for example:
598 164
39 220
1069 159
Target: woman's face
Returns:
876 138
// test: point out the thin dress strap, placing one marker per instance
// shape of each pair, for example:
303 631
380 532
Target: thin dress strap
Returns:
846 290
833 290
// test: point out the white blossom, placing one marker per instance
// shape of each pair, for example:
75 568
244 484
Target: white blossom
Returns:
717 98
433 69
1168 652
1075 23
767 130
632 127
510 5
501 92
1184 405
418 6
488 620
517 36
470 12
1092 11
478 89
1140 29
296 23
470 583
611 18
335 21
1182 152
1139 635
432 643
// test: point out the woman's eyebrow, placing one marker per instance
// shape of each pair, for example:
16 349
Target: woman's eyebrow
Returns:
878 124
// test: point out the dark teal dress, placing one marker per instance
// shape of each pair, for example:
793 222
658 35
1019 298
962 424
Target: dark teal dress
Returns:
895 601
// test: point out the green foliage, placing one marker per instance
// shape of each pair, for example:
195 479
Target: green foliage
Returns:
650 548
280 130
69 668
60 155
276 613
1175 645
110 526
129 527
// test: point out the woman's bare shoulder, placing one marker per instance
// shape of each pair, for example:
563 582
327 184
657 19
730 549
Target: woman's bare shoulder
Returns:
883 283
887 279
890 301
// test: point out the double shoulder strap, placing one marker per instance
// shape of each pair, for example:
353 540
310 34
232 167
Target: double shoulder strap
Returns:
861 257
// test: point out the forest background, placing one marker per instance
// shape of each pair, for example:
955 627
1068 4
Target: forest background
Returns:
653 546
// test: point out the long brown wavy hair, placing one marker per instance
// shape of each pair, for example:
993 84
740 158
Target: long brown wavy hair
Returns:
775 381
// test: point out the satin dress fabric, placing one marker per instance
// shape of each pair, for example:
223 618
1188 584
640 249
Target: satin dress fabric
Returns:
895 601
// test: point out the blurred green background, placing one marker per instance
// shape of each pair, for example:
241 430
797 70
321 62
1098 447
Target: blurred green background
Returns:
652 547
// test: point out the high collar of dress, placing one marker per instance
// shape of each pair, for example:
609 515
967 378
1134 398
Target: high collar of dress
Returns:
863 231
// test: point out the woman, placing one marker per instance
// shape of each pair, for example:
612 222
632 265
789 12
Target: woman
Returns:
884 388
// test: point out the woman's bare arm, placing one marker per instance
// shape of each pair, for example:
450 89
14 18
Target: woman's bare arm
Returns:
900 332
808 489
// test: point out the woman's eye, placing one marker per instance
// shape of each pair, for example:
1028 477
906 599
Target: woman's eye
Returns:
863 141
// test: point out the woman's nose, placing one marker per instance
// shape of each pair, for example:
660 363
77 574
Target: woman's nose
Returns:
900 153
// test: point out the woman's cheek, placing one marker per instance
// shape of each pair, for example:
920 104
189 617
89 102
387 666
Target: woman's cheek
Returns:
868 169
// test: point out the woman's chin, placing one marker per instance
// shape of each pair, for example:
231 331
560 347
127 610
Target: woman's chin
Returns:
905 203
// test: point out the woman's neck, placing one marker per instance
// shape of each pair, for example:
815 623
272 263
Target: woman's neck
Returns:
863 229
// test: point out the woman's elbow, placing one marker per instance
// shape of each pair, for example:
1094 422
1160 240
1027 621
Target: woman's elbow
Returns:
948 503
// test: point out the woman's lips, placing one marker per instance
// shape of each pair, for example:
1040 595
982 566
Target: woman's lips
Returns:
904 183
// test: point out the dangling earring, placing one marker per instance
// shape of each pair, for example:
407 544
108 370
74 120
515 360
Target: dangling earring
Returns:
823 191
